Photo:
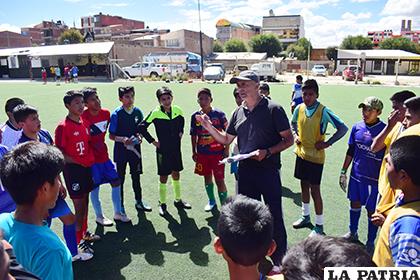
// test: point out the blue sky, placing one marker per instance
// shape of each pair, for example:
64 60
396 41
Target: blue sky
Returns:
327 22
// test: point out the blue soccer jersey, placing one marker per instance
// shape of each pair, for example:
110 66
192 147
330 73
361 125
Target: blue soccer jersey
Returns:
43 136
7 204
366 164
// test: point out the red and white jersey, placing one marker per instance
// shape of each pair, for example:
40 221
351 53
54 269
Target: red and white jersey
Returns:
73 139
97 126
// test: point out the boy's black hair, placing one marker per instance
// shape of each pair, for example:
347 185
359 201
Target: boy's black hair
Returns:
25 169
264 86
235 92
163 91
12 103
88 92
245 229
402 96
70 95
22 112
124 90
307 259
204 91
299 77
311 84
405 155
413 104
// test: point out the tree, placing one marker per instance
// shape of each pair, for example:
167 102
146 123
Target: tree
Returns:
332 52
268 43
400 44
356 43
303 42
297 51
217 47
71 36
235 45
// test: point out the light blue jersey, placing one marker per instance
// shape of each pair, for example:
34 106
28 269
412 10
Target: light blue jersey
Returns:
38 249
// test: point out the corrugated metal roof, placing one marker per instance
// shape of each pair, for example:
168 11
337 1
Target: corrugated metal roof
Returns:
239 56
378 54
70 49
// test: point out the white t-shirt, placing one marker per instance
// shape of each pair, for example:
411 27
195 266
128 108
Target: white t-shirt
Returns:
10 135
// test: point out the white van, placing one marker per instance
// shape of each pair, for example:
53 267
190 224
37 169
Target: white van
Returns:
265 70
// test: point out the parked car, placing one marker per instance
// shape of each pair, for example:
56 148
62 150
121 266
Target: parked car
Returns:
214 73
238 69
144 69
265 70
349 73
319 70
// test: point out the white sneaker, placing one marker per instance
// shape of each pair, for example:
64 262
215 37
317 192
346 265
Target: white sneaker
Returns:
122 218
104 221
84 252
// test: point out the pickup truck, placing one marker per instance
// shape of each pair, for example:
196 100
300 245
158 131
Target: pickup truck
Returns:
145 69
265 70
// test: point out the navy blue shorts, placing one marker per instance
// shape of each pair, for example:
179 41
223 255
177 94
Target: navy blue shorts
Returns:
103 173
363 190
78 180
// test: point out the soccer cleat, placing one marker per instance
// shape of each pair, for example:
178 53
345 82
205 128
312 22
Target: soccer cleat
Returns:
210 205
163 209
91 237
317 229
143 206
121 218
104 221
85 246
84 252
351 237
182 204
302 222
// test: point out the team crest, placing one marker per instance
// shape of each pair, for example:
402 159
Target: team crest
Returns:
75 187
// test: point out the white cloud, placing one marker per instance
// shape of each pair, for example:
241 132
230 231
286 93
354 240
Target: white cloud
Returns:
73 1
355 17
402 8
9 27
177 3
363 1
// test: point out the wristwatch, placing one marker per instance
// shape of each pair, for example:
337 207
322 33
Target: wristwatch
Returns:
268 153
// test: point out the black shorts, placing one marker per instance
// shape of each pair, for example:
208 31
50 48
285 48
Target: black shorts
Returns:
78 180
169 162
308 171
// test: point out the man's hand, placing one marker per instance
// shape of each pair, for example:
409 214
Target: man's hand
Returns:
377 219
321 145
204 120
156 144
261 154
393 118
343 182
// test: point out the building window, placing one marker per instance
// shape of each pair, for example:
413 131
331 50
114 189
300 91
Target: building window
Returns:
377 65
172 43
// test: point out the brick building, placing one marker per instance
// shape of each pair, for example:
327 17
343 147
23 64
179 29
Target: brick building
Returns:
10 39
45 33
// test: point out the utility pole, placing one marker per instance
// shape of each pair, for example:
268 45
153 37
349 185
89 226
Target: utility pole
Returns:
201 42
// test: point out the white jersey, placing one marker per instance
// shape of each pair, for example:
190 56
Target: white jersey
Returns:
10 135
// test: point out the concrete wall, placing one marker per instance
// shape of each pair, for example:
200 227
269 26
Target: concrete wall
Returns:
301 65
13 40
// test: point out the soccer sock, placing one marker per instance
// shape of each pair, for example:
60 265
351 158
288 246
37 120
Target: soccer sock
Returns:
79 236
177 189
222 197
96 203
162 193
319 220
116 199
372 230
354 219
69 232
305 209
210 192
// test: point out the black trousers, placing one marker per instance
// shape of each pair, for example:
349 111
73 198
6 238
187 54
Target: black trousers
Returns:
257 182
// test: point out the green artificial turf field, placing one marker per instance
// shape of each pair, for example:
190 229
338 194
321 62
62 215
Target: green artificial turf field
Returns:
180 247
